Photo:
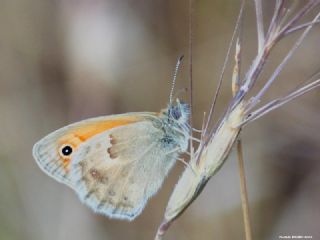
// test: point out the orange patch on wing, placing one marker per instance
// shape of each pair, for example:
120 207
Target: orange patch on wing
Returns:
82 133
66 162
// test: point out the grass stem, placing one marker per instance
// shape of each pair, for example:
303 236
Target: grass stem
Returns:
244 193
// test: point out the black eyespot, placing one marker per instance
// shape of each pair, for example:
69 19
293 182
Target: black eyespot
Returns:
66 150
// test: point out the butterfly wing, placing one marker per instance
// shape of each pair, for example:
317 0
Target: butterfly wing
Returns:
47 151
117 171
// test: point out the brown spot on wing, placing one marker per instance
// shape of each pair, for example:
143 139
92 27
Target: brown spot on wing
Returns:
98 176
110 150
111 153
95 174
113 141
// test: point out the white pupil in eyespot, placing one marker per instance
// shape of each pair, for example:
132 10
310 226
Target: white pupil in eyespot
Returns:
66 150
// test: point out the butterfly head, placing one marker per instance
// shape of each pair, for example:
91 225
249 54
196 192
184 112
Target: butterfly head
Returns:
179 112
175 122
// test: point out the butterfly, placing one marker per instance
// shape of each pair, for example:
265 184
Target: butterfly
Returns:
116 163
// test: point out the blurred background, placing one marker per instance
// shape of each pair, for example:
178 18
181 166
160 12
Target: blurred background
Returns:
64 61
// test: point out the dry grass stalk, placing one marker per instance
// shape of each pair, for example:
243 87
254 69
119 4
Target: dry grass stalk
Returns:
217 141
244 193
242 175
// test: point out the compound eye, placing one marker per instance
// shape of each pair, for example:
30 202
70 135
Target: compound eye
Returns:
66 150
176 113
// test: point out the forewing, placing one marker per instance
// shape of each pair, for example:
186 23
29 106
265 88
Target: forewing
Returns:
47 152
117 171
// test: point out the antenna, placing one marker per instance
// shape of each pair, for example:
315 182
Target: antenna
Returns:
175 77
